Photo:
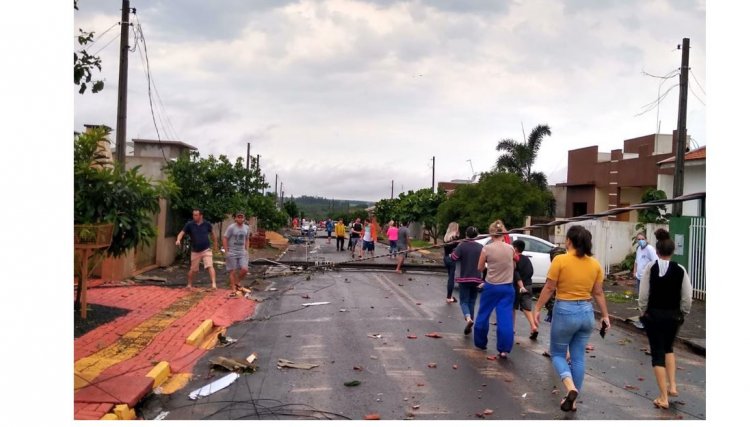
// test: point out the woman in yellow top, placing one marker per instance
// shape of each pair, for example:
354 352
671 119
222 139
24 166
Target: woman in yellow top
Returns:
577 278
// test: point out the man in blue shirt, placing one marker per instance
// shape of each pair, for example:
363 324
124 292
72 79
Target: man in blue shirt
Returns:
200 246
329 229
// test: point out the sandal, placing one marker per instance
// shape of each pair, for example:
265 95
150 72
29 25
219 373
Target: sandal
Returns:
534 335
233 294
567 404
660 405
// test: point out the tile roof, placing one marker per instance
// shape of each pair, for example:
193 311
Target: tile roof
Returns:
697 154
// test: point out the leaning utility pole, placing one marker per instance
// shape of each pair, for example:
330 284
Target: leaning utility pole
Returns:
391 189
247 159
122 86
433 174
679 163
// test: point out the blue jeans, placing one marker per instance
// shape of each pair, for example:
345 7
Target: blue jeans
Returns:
392 249
467 295
572 324
451 266
497 297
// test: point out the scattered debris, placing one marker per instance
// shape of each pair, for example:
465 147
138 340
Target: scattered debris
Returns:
305 296
343 310
420 385
589 347
314 303
352 383
141 278
419 303
631 387
488 412
434 335
491 357
215 386
432 365
558 391
411 337
640 378
283 363
455 366
546 354
410 279
374 357
225 340
358 368
250 359
288 336
415 407
508 379
524 395
161 416
375 335
272 289
372 416
232 364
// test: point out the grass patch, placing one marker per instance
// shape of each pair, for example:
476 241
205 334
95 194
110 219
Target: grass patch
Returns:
620 297
420 244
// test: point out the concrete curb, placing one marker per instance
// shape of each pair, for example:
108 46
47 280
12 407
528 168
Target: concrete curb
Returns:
197 336
693 346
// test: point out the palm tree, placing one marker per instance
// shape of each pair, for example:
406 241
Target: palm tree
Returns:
517 158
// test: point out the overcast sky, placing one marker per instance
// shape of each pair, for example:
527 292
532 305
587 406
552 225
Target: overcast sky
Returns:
339 97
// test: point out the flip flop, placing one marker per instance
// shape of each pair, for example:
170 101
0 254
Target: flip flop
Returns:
660 405
467 329
534 335
567 404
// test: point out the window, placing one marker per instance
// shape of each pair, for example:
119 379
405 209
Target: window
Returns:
535 246
580 209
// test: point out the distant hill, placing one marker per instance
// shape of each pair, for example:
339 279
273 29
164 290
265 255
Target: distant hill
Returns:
320 207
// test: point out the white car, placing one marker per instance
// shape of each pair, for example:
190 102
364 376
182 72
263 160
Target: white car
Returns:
309 226
538 252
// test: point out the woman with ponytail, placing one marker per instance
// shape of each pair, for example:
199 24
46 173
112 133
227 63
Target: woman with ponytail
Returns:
664 300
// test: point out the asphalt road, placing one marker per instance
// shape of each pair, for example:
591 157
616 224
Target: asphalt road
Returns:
395 380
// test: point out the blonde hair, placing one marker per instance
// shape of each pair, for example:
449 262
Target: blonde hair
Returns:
497 227
451 233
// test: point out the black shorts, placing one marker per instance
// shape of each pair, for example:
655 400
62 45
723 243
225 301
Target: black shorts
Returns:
523 301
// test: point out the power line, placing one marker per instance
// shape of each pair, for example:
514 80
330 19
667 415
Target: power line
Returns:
93 42
105 46
695 95
650 106
696 82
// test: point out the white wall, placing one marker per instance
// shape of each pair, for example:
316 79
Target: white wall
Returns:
612 240
695 182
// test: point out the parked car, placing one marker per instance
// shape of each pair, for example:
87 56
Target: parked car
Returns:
538 252
308 226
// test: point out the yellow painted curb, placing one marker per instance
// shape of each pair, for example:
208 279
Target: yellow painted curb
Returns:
124 412
212 338
109 416
160 373
198 334
176 382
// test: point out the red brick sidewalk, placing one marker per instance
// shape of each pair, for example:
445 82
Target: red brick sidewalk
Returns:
117 356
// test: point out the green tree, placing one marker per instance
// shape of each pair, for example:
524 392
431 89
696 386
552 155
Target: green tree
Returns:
497 195
291 209
518 158
84 63
421 206
219 187
126 199
653 215
387 210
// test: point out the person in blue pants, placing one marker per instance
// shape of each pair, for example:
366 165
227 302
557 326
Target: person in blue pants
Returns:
498 293
576 277
466 255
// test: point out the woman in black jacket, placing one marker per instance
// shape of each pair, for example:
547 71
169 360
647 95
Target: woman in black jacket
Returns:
664 299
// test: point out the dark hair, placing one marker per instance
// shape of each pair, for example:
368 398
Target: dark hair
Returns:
520 245
471 232
664 243
580 238
200 211
555 252
404 223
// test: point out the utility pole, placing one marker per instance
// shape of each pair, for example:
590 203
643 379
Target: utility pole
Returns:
391 189
433 174
276 188
122 85
679 164
257 162
247 159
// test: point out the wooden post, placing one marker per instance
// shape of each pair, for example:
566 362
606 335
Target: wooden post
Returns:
84 277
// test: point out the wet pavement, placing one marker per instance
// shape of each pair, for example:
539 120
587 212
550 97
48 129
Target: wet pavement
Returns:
366 325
